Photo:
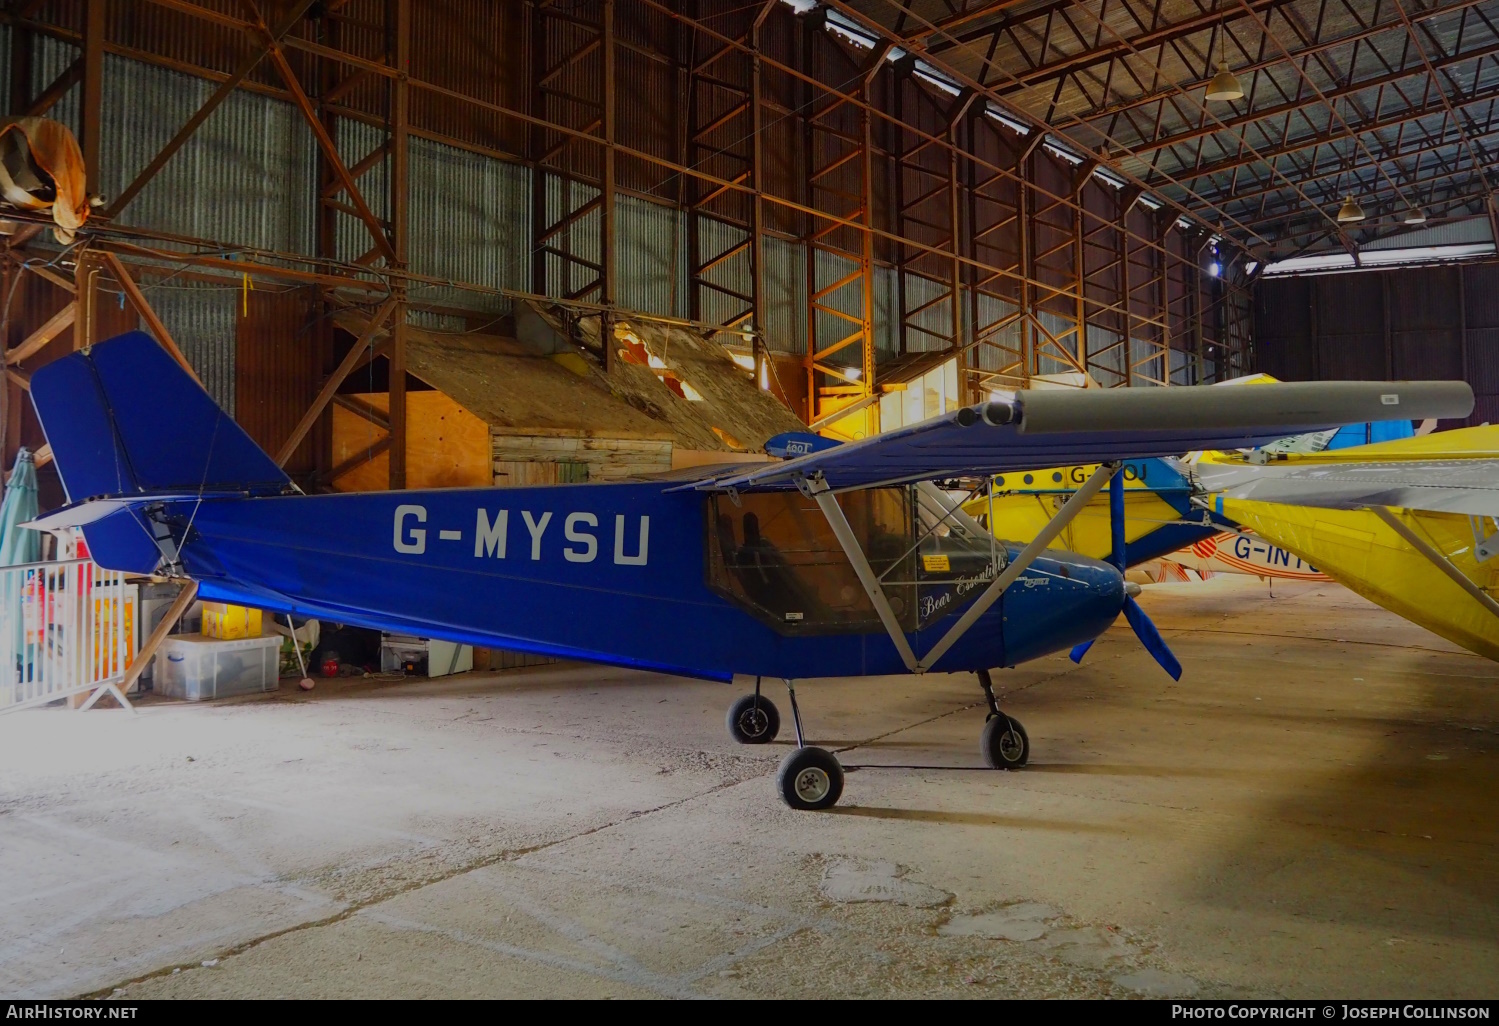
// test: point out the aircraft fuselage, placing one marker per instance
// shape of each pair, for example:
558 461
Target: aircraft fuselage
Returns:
613 573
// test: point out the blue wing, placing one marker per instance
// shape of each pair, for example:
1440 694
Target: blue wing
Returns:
1059 428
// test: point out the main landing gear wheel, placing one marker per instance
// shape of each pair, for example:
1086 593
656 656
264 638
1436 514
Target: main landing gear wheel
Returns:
810 779
753 720
1004 743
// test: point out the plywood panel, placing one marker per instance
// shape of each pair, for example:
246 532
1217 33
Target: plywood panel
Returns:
446 447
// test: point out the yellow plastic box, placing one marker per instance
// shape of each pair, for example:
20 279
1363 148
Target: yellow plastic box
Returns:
226 622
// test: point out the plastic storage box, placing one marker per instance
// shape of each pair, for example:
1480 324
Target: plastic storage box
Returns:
197 668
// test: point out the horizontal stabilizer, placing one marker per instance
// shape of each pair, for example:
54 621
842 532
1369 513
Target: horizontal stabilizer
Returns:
81 514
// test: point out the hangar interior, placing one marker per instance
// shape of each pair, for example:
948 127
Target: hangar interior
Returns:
410 245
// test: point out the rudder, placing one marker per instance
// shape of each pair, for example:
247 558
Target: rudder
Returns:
123 418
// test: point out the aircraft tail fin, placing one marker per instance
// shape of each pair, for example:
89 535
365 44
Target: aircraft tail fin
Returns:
125 421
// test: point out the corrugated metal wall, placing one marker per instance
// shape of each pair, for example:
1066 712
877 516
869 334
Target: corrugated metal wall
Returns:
651 243
1398 323
470 221
240 180
203 320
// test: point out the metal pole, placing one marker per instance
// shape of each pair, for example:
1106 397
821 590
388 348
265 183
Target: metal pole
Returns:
828 503
1436 558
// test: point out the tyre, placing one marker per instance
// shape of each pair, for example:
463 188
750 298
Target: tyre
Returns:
1004 743
750 725
810 779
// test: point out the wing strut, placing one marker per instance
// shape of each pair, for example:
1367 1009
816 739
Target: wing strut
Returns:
818 489
1437 560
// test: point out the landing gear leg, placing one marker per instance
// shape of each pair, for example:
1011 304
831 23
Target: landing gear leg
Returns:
809 778
1003 742
987 683
754 719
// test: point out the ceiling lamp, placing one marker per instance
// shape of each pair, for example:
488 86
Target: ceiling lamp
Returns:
1225 85
1415 215
1350 212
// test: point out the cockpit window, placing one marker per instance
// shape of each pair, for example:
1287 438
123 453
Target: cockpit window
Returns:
776 554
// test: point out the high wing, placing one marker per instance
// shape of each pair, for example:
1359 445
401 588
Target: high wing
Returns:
1039 429
1469 486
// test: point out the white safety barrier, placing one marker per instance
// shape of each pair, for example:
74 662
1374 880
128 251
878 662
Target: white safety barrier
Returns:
66 628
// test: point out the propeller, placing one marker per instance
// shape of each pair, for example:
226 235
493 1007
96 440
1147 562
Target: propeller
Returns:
1138 621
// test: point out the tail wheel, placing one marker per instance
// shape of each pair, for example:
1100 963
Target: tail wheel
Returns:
753 721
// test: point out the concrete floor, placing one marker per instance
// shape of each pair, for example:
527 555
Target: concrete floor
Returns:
1310 812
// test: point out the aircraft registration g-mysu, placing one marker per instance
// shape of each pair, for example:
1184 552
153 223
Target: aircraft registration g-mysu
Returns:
846 561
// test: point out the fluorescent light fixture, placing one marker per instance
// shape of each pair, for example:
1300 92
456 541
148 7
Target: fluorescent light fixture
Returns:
1019 127
850 30
927 73
1379 258
1070 158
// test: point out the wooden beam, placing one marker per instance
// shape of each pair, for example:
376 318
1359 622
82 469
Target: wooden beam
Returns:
70 77
360 408
55 326
42 456
330 387
148 650
61 281
153 322
20 377
92 112
24 234
358 459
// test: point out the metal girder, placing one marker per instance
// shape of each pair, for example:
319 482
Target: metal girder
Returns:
573 193
839 255
722 132
1258 114
258 53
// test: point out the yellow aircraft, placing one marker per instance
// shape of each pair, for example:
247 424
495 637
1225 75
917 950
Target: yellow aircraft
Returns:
1159 514
1410 524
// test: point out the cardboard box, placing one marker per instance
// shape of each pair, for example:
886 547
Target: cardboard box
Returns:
230 623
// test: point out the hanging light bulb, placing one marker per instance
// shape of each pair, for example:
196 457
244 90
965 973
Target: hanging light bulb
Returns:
1414 215
1350 212
1225 85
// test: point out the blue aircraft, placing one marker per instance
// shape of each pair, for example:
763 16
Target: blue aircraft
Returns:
846 561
